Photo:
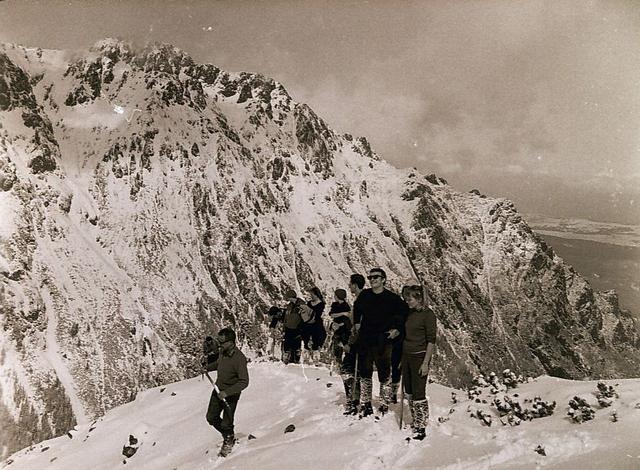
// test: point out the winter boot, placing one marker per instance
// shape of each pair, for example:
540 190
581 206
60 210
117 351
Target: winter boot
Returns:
412 411
419 434
365 409
385 397
365 397
394 392
227 445
365 390
351 408
347 381
421 418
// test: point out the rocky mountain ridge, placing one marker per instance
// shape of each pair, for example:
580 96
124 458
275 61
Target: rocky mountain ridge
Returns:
146 200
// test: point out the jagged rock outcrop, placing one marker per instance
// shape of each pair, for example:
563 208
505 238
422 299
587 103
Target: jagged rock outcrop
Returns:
147 200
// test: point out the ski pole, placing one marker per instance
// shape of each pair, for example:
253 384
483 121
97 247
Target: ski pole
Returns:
401 399
306 379
355 377
217 390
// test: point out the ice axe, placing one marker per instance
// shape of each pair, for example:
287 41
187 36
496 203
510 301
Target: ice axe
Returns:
217 390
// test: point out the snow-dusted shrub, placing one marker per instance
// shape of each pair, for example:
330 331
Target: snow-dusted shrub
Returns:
580 410
605 394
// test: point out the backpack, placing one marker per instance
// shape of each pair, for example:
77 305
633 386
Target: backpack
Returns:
210 351
209 346
306 313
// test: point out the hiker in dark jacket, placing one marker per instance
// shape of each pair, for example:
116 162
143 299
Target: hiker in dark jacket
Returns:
341 328
313 331
276 329
382 315
348 371
292 327
418 347
341 325
233 377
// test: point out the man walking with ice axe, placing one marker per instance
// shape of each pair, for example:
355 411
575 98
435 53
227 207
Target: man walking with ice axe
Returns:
233 377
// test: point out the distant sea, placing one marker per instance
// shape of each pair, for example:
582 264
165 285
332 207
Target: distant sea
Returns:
605 266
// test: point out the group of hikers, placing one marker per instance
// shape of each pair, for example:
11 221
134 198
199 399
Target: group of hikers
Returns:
396 334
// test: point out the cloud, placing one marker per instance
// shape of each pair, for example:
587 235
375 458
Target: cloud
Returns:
476 91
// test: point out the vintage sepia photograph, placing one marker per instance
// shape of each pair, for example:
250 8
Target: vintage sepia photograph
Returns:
319 234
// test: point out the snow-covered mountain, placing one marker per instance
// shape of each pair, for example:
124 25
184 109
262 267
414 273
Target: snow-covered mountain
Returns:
169 430
146 200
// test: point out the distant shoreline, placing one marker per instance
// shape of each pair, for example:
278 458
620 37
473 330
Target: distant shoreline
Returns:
607 239
587 230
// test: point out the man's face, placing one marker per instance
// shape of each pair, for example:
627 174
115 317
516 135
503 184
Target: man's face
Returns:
375 279
225 345
353 288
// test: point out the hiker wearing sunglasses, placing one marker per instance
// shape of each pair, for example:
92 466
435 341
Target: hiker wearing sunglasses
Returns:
382 314
233 377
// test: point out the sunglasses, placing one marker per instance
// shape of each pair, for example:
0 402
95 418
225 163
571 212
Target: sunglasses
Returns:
374 276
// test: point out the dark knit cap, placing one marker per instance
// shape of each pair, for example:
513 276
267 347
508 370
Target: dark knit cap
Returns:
341 294
289 293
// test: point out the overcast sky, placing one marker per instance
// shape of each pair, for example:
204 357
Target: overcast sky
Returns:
535 101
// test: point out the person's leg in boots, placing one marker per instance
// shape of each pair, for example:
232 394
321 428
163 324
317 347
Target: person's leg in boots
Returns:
396 369
288 345
408 390
226 424
351 388
296 344
383 365
420 402
214 411
365 364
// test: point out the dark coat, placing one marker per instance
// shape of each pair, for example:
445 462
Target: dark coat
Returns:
340 314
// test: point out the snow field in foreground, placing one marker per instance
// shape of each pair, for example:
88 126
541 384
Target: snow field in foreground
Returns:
169 424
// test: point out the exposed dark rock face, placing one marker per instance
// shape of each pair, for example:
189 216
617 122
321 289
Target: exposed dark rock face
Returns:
16 93
164 199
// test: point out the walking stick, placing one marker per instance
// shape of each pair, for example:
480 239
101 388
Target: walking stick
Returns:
401 400
282 346
217 390
273 345
355 377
